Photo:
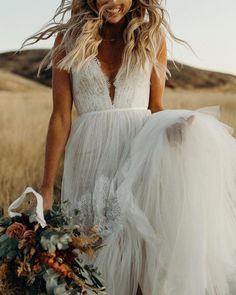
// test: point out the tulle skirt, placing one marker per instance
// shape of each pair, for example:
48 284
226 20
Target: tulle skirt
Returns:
94 150
167 212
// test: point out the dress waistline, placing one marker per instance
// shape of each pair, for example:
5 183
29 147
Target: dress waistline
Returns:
115 110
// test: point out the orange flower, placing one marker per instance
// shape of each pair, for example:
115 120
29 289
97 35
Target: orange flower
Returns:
64 269
56 266
16 230
36 267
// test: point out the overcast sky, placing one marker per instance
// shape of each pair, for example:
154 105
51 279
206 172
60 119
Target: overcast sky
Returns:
209 26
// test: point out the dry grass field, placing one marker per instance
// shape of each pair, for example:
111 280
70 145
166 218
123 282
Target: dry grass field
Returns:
24 114
194 99
25 108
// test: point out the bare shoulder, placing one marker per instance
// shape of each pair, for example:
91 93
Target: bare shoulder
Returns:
57 42
61 84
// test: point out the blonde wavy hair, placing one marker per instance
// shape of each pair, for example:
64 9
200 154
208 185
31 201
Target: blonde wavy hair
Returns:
147 24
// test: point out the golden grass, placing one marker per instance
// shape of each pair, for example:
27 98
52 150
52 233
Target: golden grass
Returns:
25 109
24 114
194 99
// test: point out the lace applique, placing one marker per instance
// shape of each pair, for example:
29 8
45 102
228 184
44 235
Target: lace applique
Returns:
107 210
85 216
101 208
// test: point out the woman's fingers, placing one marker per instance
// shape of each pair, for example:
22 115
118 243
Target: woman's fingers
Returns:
31 204
177 131
47 204
190 119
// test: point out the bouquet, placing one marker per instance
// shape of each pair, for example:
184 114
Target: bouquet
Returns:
42 254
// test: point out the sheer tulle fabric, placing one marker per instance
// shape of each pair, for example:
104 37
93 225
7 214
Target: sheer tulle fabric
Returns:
179 201
93 153
175 230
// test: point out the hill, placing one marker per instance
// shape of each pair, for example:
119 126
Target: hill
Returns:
15 83
26 64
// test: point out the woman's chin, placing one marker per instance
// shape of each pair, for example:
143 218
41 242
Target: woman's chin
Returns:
114 19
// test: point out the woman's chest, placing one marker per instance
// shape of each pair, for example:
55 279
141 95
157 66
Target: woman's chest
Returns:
110 57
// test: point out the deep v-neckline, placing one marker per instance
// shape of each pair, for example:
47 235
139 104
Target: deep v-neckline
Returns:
107 82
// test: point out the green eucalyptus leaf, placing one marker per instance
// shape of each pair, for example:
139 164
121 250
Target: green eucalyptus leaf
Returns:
51 279
11 254
59 246
65 239
12 243
5 221
61 290
47 245
3 238
32 217
7 245
48 233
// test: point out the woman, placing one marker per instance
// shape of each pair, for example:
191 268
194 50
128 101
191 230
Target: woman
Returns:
159 184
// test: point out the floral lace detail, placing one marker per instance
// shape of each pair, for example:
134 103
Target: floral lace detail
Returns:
107 210
85 216
101 208
91 88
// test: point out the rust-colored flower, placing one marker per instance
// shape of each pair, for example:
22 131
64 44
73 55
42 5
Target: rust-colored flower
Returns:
30 236
16 230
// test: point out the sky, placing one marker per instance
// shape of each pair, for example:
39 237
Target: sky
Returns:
209 26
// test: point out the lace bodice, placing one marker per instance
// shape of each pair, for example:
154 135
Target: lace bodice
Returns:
90 88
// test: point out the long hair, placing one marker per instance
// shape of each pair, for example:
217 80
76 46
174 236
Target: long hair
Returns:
147 24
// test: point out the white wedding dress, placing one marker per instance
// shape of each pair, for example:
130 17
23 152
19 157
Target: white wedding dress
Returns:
166 208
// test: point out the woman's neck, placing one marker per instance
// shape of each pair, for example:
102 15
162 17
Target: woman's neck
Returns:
113 31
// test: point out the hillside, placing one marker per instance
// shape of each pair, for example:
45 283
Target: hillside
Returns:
15 83
26 64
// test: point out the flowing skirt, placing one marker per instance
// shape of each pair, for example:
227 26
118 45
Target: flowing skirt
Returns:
177 235
168 214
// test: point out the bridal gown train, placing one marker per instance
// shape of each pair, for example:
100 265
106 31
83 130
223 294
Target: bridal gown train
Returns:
165 207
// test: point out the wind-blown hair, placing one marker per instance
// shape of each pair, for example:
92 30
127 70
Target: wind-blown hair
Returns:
147 24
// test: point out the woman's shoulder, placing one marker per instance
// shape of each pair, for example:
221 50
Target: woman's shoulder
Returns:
67 45
59 51
61 43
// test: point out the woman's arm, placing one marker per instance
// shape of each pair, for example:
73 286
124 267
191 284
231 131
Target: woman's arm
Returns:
158 84
58 129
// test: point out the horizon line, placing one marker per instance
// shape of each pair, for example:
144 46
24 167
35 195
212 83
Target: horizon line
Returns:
170 60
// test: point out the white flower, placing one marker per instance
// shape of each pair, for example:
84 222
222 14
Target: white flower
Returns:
47 245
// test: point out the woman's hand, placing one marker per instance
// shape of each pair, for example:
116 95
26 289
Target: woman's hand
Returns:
176 132
47 194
